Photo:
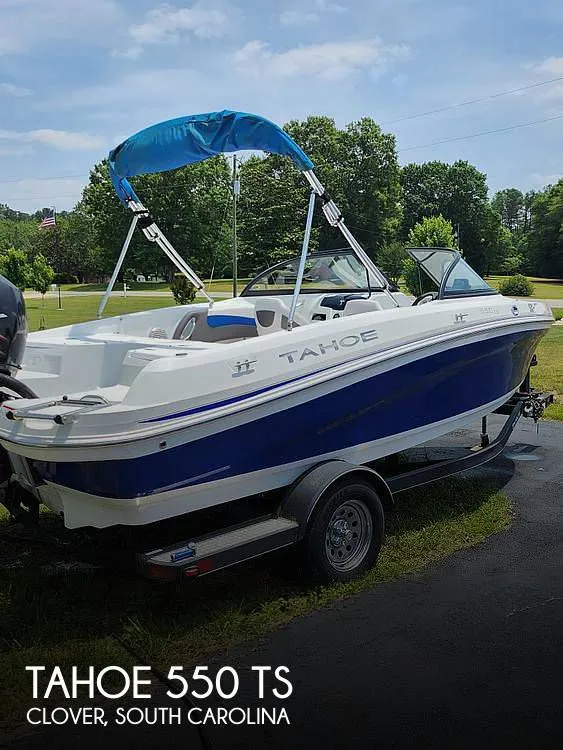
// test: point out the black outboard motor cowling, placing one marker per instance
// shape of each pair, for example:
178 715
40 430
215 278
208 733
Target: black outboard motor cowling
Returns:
13 327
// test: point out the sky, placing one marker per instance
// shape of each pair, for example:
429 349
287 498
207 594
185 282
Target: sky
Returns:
79 76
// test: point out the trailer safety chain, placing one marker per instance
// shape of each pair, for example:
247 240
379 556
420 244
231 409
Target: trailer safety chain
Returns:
534 407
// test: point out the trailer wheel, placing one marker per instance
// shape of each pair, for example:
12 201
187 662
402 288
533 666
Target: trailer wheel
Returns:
344 536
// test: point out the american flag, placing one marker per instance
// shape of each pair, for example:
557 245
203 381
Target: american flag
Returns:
48 221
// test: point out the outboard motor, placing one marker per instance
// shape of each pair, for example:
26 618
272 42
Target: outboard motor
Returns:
13 327
13 335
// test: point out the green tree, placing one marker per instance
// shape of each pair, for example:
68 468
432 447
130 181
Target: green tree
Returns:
358 167
391 259
432 231
512 264
546 234
183 291
509 203
458 192
187 203
41 274
14 266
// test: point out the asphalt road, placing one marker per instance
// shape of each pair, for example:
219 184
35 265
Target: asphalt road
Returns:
465 654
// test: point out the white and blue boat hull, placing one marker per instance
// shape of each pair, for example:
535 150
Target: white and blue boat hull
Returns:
380 408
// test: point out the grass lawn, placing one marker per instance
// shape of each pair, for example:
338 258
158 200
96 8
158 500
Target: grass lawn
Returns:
548 375
136 286
68 620
217 285
45 313
543 288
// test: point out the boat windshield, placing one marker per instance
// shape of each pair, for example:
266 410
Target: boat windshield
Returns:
452 275
335 271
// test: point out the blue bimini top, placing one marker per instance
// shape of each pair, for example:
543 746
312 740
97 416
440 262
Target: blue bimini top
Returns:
187 140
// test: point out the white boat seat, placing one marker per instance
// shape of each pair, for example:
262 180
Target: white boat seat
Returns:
237 312
227 322
272 314
356 306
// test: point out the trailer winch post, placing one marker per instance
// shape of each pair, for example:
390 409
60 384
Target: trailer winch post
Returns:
485 440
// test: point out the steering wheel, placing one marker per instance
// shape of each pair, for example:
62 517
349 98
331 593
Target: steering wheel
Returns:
14 387
426 297
186 326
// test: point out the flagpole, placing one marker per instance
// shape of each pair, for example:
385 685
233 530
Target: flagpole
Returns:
57 251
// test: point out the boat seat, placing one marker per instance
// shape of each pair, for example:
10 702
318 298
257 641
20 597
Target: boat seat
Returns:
356 306
224 324
237 312
272 315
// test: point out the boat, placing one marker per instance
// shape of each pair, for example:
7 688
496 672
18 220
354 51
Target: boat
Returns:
135 419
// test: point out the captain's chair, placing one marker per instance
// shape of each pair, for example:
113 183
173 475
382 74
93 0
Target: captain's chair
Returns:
461 285
356 306
229 321
272 315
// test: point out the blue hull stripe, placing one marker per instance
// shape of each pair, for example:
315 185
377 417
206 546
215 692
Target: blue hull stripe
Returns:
428 390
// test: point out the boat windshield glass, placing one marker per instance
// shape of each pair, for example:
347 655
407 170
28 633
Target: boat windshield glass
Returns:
450 272
336 271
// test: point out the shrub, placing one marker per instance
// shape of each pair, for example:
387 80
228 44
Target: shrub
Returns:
129 276
517 286
183 290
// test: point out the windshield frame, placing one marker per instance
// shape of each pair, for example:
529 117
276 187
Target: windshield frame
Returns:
443 293
371 283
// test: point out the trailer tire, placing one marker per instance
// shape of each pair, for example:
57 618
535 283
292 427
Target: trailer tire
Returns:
345 533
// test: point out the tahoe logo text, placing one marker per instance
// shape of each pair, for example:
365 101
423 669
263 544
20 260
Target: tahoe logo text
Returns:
316 350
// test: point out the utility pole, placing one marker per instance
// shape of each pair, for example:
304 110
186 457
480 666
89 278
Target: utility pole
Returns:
236 192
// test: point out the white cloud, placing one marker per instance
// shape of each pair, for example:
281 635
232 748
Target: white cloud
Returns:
330 7
331 60
129 53
27 24
297 18
12 150
140 88
554 92
168 24
11 90
63 140
553 65
541 180
32 194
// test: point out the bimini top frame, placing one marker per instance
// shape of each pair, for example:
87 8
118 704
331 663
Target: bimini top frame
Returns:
187 140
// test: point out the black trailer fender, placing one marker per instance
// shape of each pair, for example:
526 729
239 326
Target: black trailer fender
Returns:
302 497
